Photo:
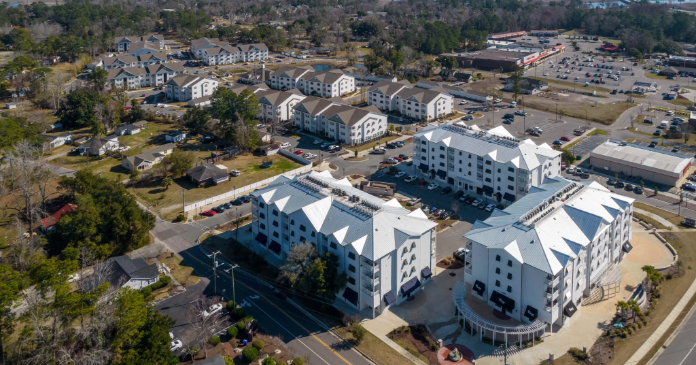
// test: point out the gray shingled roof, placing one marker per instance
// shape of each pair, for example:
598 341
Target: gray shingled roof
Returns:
205 172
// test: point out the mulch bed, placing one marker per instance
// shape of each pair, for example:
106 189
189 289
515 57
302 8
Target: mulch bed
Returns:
419 337
454 266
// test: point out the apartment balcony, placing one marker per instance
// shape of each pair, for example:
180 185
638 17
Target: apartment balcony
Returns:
548 308
552 282
468 270
370 280
369 292
552 295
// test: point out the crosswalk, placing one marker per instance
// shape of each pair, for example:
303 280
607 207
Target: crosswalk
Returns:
198 225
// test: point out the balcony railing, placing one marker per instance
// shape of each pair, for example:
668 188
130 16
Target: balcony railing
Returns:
368 292
548 308
551 282
552 295
370 280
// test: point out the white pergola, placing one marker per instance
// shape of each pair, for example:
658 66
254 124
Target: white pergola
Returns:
464 312
611 282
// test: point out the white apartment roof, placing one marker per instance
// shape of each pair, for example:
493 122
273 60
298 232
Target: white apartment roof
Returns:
372 236
644 158
568 217
497 143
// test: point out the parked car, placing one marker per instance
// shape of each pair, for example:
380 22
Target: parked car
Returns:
212 310
310 156
565 139
209 213
446 190
464 198
652 144
689 186
400 174
490 207
422 183
317 141
298 152
413 201
403 157
469 200
477 202
557 142
458 194
379 151
433 186
638 190
235 173
445 215
175 345
433 209
237 201
391 161
611 182
285 145
219 208
325 144
570 170
482 205
460 254
411 178
629 187
619 184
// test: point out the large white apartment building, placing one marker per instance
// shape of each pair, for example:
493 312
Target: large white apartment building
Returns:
327 84
217 52
416 103
187 87
340 122
387 252
139 77
111 62
275 105
489 163
123 44
539 257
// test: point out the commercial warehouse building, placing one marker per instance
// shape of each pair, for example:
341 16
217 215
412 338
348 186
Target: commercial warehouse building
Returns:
647 163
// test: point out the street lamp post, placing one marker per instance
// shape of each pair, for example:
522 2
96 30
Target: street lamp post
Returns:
557 112
215 272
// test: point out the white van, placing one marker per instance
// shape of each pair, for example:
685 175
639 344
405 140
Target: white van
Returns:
664 124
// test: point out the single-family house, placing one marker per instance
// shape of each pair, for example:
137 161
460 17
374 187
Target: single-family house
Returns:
49 222
270 149
132 273
126 130
146 159
527 86
175 136
98 146
57 140
208 174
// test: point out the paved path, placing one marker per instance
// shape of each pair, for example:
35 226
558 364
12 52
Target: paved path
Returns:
664 326
656 217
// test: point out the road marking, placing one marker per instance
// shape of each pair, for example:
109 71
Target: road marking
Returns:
254 297
687 354
291 334
281 311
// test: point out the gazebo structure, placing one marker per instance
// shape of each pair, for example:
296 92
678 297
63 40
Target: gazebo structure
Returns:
610 282
523 332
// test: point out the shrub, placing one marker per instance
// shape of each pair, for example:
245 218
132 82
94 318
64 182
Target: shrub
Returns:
232 331
165 280
146 291
240 325
640 325
214 340
268 361
668 277
358 332
240 312
229 360
578 354
258 344
250 354
297 361
248 319
180 218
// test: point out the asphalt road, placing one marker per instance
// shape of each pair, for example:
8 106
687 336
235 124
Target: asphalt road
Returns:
301 334
681 351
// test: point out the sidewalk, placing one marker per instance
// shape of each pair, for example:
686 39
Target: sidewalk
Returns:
656 217
664 326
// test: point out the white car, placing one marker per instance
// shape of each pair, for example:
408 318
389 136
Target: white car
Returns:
318 141
176 344
477 202
235 173
490 207
392 161
546 73
433 186
285 145
463 102
309 156
400 174
411 178
212 310
671 112
497 101
570 170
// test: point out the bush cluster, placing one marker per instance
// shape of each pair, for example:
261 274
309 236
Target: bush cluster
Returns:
578 354
250 354
297 361
214 340
232 331
258 344
180 218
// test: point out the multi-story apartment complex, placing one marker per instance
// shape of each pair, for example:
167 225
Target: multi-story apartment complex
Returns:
327 84
108 63
539 257
275 105
217 52
139 77
340 122
386 251
141 48
489 163
123 44
187 87
416 103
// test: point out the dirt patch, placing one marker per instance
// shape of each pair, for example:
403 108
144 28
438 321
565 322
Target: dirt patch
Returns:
417 341
578 106
453 266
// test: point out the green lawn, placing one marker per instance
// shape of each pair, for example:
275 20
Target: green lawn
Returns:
375 348
651 75
681 102
251 172
576 85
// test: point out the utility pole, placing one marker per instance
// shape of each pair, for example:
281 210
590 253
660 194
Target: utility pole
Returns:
557 112
215 272
236 231
183 200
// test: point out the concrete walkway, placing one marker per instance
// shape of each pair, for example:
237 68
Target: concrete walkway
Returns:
656 217
664 326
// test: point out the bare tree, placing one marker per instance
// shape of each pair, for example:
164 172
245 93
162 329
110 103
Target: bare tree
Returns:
19 179
202 324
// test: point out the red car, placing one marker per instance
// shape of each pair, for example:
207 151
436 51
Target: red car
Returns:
565 139
422 183
397 158
208 213
299 152
143 95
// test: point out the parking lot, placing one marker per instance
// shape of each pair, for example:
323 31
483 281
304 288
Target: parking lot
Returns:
588 144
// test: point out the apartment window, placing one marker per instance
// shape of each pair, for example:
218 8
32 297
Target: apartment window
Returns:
442 164
276 235
510 263
510 169
351 280
488 162
460 153
498 170
433 149
351 255
262 226
510 187
510 178
509 276
488 171
460 169
509 289
303 228
275 212
314 234
442 156
292 233
275 223
423 142
497 258
351 268
488 179
423 150
302 239
497 270
469 164
262 216
498 181
497 283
